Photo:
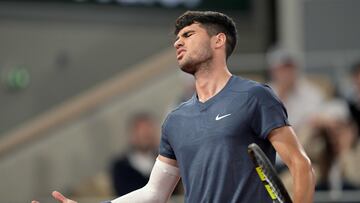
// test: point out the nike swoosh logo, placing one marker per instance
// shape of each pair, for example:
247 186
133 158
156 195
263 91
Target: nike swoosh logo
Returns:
218 117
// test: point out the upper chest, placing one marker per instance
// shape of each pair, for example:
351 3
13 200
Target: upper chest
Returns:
226 116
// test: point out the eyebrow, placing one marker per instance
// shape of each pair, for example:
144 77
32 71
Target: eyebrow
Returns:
183 34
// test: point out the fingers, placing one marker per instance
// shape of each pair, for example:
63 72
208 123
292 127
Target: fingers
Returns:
58 196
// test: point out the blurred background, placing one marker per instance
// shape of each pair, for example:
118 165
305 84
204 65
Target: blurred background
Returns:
86 84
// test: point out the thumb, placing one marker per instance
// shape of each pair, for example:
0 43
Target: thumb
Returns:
58 196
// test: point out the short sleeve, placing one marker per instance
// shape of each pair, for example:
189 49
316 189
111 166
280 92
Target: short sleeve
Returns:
165 146
266 110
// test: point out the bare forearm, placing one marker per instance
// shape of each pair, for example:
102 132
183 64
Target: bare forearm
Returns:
304 181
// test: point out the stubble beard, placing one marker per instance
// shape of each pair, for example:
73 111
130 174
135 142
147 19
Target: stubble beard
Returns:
192 65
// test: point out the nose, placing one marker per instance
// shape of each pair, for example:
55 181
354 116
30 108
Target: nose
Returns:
178 43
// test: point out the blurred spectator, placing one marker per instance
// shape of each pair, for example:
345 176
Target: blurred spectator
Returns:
354 99
338 133
300 97
132 171
337 156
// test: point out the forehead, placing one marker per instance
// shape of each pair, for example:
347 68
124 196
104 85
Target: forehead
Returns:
193 27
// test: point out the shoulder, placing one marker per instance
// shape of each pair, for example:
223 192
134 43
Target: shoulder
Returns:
240 84
183 106
256 92
253 88
179 110
261 90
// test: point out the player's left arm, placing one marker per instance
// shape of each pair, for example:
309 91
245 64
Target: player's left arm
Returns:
292 153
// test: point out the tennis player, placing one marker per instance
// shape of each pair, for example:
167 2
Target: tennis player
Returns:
204 140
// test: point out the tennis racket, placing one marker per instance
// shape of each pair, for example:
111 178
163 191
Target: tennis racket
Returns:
268 175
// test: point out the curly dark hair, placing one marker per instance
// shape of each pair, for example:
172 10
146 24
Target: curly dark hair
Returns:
213 22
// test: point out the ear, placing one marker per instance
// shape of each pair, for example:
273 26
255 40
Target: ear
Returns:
220 40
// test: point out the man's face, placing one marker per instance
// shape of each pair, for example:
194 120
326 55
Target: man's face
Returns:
193 47
284 74
144 136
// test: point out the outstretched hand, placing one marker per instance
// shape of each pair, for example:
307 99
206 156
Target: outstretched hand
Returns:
59 197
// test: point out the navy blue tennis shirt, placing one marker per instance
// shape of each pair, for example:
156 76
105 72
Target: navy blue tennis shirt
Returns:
209 141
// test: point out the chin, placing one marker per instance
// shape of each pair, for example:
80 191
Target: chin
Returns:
188 66
188 69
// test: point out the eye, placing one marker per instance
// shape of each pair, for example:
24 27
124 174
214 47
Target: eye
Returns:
188 34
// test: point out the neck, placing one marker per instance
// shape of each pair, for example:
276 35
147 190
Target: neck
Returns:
210 80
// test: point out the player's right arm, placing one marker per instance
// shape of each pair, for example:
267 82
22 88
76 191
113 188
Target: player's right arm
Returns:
163 179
